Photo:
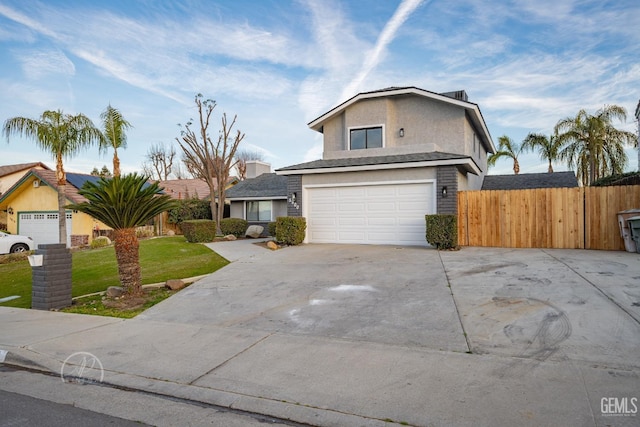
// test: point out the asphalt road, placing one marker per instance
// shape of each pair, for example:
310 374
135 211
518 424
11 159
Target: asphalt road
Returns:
19 410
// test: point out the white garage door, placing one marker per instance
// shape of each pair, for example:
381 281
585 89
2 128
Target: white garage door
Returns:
42 227
370 214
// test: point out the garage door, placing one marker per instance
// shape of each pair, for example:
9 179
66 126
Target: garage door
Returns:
370 214
42 227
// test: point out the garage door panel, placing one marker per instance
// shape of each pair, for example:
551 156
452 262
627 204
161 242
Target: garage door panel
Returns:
375 214
42 227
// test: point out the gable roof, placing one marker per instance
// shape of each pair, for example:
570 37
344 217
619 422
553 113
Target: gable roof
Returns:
394 161
48 177
267 186
472 109
185 188
525 181
9 169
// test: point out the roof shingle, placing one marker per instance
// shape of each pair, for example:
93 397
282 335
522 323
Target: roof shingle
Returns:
267 185
525 181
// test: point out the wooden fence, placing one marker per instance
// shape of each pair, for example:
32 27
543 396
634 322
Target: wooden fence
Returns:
582 218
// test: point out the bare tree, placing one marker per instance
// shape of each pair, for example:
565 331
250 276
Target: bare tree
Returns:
179 172
242 157
208 160
160 159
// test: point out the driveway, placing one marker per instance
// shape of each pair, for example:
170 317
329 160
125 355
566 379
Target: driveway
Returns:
339 335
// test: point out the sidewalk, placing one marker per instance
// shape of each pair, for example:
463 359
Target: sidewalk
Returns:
320 380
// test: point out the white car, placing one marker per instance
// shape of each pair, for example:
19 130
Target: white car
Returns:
12 244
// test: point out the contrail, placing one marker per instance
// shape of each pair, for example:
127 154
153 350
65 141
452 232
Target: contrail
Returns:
388 33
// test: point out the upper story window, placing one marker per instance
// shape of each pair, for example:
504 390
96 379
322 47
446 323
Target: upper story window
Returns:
363 138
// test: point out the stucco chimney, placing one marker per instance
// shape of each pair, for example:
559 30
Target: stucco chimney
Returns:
256 168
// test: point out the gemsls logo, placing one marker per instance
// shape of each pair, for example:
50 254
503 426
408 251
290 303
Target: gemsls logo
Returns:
624 406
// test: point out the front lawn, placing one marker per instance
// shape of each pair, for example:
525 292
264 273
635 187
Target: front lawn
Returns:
95 270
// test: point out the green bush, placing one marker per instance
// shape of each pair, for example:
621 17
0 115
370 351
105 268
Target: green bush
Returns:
235 226
290 229
188 209
100 242
271 227
442 231
199 230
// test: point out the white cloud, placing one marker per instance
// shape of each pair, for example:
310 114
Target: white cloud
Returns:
41 63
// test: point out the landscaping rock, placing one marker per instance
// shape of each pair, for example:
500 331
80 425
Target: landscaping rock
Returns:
115 291
230 237
175 284
254 231
171 233
272 245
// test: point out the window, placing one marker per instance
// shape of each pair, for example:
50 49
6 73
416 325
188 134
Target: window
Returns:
360 139
259 210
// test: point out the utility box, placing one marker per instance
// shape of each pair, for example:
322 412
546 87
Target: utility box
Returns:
625 232
51 273
634 226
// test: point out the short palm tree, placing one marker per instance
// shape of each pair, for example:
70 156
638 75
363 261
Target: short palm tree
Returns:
124 203
507 148
63 135
593 145
548 147
113 129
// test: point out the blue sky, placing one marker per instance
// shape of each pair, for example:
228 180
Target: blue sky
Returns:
279 64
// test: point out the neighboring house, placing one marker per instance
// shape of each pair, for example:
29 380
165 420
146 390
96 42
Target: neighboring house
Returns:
32 208
260 199
181 189
9 175
527 181
638 140
390 157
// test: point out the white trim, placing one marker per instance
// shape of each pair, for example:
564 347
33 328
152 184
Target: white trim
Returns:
241 199
350 128
386 166
306 188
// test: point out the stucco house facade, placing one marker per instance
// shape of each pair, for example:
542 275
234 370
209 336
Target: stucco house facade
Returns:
31 205
260 198
390 157
9 175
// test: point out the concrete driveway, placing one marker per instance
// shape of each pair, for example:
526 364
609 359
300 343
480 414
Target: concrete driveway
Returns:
338 335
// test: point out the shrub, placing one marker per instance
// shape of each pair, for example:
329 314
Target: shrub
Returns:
199 230
3 227
144 232
442 231
235 226
290 229
100 242
188 209
271 227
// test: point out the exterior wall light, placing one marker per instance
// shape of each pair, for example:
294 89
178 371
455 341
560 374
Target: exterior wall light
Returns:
401 132
445 192
10 210
293 197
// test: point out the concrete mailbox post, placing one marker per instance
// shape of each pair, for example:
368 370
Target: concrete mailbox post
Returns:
51 273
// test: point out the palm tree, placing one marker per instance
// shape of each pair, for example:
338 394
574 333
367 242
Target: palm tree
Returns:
507 148
124 203
594 146
548 147
114 127
63 135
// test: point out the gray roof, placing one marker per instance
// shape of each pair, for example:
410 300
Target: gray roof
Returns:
526 181
378 160
267 185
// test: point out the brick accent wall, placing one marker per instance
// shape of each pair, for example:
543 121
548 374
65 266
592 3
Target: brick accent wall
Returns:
294 185
79 240
447 176
52 281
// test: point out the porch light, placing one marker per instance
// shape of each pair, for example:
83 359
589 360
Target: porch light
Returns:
293 197
401 132
10 210
444 192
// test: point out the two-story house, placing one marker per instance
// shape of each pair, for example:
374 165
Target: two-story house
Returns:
390 157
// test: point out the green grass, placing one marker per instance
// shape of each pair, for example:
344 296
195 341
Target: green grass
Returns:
95 270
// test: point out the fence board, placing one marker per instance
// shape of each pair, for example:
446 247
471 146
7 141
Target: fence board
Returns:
545 218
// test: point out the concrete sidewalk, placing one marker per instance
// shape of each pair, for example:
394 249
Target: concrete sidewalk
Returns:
313 334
